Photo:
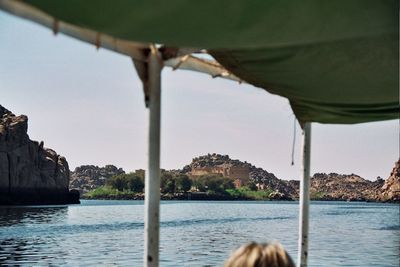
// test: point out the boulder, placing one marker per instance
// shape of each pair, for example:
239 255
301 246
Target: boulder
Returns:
276 195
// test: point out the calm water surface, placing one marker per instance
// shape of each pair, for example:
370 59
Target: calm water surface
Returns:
110 233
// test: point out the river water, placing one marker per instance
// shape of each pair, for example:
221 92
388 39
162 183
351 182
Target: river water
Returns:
110 233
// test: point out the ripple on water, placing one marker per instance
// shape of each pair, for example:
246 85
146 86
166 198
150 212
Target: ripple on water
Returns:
196 233
390 228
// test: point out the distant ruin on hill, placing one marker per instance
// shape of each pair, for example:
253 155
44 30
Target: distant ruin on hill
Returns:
215 164
240 174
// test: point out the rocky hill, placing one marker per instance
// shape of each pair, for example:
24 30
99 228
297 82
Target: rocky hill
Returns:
330 186
89 177
351 187
29 172
265 180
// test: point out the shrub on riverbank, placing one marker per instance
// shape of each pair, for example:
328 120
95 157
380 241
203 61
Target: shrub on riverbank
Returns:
245 192
107 192
317 195
127 182
175 183
178 186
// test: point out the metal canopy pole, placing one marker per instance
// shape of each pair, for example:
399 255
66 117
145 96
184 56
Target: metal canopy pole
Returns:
304 197
152 181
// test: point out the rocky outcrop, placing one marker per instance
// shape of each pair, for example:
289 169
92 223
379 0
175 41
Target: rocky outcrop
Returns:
332 186
350 187
264 180
283 190
390 190
89 177
29 172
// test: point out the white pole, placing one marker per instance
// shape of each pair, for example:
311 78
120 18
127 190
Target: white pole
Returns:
152 183
304 197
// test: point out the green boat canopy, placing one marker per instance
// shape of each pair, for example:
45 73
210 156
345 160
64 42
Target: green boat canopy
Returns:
335 61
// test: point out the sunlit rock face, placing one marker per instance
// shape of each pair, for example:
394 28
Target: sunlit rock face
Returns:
391 187
244 172
30 173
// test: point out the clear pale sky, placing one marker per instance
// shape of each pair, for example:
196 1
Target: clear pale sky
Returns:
88 106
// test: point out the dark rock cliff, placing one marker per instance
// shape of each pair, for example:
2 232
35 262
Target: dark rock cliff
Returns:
30 173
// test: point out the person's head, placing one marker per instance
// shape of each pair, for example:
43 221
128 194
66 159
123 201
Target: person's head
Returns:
260 255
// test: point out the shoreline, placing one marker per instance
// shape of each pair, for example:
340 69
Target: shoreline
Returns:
31 197
198 196
217 197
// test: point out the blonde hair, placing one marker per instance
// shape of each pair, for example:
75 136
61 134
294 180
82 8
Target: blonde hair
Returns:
260 255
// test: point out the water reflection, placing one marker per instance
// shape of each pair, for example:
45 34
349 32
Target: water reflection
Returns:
32 215
27 252
17 247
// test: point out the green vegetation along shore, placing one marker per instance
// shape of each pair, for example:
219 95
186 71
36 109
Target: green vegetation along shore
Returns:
177 186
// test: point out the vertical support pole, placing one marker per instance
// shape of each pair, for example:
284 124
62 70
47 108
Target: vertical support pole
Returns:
304 198
152 181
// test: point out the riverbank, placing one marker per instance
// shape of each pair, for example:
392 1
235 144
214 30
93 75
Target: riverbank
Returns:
244 193
202 175
184 196
101 194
